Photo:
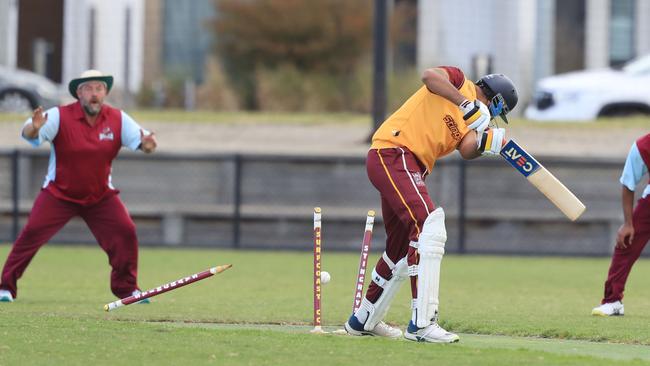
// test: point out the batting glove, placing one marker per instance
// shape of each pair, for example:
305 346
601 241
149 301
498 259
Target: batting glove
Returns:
491 141
476 115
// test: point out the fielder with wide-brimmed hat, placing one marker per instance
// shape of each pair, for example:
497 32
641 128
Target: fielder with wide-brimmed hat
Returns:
90 75
86 135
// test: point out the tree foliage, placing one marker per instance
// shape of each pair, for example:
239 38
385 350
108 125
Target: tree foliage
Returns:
311 35
314 36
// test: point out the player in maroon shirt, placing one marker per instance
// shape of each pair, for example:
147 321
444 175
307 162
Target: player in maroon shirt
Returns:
632 237
84 137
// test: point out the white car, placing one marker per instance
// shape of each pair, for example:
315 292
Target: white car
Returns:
23 91
587 95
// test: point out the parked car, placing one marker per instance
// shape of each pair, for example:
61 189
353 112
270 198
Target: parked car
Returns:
587 95
22 91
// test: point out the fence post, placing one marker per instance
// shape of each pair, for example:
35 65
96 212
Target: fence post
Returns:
379 64
236 215
15 193
462 175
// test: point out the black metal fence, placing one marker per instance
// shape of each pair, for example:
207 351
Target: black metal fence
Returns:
265 201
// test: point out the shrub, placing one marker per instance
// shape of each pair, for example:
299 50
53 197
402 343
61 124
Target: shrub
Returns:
216 91
292 37
285 88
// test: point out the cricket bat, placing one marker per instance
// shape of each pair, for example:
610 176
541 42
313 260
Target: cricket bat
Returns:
543 180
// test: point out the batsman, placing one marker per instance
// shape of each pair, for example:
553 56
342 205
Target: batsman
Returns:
449 112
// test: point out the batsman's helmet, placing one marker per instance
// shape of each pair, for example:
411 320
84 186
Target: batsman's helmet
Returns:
501 93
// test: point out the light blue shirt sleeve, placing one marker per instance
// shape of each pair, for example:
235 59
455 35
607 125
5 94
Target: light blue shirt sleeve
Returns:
48 131
131 132
634 169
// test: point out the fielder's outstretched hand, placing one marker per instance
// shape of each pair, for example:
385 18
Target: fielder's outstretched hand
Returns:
38 118
148 142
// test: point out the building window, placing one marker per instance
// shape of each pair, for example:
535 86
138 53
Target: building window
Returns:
621 32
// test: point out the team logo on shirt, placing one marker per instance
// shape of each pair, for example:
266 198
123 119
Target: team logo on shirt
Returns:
452 126
417 179
106 134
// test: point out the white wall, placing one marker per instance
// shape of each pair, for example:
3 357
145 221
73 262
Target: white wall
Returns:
597 34
544 59
76 33
428 39
109 40
642 27
8 32
452 32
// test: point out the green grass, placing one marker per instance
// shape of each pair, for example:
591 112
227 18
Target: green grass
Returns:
509 310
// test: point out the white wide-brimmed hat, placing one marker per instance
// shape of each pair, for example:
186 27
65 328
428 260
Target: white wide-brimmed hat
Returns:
90 75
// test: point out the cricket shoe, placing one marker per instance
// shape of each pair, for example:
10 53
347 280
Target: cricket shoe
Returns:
354 327
432 333
5 296
609 309
143 301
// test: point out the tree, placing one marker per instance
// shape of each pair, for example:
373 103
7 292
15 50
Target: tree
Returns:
328 36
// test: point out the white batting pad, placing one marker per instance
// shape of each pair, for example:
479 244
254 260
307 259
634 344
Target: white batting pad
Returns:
431 248
377 311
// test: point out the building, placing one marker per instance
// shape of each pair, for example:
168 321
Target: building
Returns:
76 35
142 42
8 32
137 41
531 39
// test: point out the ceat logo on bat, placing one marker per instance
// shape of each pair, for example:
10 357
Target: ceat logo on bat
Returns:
519 158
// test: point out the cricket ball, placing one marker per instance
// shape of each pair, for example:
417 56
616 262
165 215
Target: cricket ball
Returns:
325 277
